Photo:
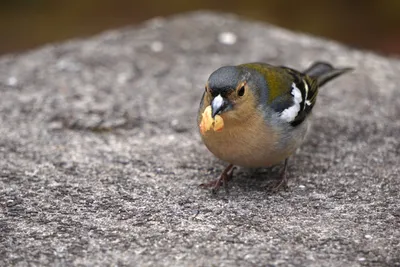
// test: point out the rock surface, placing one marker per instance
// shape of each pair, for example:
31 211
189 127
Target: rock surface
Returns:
100 158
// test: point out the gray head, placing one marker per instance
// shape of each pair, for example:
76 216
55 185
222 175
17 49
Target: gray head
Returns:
227 85
225 80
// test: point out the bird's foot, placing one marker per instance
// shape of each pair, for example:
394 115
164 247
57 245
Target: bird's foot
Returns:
223 180
283 181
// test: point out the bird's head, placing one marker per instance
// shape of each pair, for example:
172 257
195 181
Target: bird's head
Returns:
230 92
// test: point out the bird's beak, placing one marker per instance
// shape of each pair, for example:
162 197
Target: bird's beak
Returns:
218 105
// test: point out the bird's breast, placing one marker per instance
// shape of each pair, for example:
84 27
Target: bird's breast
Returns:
249 143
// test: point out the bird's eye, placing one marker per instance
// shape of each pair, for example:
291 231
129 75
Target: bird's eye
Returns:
241 91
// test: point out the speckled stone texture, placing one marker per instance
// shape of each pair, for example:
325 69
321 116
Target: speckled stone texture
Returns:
100 159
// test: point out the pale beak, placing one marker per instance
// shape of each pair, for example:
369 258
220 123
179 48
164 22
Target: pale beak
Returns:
218 105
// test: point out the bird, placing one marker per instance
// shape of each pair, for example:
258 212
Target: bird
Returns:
256 115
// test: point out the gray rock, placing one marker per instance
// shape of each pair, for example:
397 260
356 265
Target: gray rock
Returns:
100 158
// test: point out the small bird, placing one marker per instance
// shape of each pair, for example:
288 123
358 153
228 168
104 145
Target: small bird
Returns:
256 114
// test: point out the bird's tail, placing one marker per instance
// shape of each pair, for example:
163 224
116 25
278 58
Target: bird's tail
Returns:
324 72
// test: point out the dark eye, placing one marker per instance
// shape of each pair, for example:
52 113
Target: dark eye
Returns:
241 91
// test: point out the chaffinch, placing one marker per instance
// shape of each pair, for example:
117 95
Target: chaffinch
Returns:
256 114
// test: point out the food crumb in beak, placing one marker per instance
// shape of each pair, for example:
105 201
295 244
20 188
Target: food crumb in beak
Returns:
207 122
218 123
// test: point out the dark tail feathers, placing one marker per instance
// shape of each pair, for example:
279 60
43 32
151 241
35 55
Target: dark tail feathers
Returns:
324 72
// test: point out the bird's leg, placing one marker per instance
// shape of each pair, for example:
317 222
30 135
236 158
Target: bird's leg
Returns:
283 179
223 179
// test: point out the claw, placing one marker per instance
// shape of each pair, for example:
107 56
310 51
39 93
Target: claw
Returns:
283 183
223 180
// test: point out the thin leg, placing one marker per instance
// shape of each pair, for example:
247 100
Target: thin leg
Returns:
284 180
223 180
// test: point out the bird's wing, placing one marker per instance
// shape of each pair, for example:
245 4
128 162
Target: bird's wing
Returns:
297 98
291 94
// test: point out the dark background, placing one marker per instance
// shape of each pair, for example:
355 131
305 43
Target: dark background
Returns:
365 24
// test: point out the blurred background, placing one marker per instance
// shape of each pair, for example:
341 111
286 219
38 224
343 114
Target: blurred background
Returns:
373 25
